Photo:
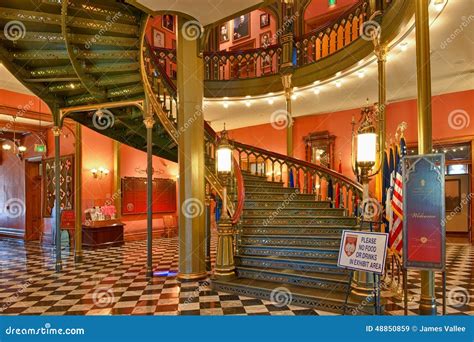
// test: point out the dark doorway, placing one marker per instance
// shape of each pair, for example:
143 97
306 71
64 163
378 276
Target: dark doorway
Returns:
33 224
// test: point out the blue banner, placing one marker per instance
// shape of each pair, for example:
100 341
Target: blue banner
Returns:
233 328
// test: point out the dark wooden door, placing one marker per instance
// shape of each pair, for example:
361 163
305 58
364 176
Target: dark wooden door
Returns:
33 202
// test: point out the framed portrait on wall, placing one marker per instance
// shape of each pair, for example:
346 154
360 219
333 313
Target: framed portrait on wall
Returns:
158 38
264 20
265 39
241 27
224 34
167 22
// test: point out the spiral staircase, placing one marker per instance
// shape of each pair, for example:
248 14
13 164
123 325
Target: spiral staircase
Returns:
72 53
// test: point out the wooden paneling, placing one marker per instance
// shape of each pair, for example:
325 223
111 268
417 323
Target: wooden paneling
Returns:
12 193
34 225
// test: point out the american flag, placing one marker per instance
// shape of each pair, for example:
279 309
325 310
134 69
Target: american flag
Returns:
396 229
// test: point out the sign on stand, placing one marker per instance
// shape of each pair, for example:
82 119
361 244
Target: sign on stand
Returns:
363 251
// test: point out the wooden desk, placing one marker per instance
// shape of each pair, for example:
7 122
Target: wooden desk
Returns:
102 234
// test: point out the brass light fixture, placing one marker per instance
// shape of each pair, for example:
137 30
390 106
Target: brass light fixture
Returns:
225 267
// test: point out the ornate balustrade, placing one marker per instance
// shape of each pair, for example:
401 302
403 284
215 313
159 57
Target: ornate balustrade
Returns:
330 38
253 63
307 177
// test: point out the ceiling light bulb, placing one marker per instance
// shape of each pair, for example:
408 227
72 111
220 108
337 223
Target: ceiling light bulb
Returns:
316 82
316 91
294 97
226 105
338 74
248 103
22 148
404 46
361 73
6 147
270 101
248 97
338 83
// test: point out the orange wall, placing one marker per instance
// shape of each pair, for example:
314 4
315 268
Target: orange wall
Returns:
155 22
255 31
339 124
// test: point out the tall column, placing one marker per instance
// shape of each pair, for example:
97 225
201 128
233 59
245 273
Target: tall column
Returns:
423 75
381 53
192 230
117 184
149 123
57 197
208 228
287 86
78 195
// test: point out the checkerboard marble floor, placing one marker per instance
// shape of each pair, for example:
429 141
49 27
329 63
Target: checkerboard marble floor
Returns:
112 281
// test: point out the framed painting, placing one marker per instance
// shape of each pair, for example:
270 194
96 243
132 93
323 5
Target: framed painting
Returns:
265 39
224 34
167 22
241 27
158 38
264 20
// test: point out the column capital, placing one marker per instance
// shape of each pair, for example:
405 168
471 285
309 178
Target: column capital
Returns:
149 122
381 51
56 131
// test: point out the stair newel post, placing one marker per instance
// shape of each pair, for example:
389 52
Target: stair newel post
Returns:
149 123
225 267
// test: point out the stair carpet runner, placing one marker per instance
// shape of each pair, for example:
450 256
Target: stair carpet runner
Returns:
288 248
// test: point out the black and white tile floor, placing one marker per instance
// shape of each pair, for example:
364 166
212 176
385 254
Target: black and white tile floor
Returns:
112 282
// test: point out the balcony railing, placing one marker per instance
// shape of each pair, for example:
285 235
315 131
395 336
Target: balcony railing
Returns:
253 63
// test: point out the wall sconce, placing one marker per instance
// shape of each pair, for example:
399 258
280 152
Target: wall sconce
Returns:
100 172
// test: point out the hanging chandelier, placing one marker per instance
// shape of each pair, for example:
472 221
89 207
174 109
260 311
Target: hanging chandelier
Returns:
15 146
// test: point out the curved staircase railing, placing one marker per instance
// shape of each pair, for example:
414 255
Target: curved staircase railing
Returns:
308 178
163 100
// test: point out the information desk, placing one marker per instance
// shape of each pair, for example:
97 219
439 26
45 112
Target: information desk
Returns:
99 234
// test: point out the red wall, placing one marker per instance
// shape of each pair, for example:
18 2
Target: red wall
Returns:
321 7
339 124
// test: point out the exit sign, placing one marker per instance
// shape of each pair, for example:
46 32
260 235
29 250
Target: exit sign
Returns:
40 148
332 2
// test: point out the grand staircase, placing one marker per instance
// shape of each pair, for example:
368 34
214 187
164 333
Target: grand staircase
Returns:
287 248
287 235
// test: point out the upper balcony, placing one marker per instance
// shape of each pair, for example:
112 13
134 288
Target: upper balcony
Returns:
320 47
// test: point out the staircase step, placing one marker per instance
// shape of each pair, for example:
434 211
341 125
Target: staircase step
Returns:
266 202
326 281
331 301
297 264
252 195
268 184
299 231
299 252
298 221
292 240
284 211
263 188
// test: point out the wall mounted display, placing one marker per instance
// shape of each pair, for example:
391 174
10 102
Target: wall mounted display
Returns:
224 34
158 38
134 199
241 27
453 194
66 182
264 20
167 22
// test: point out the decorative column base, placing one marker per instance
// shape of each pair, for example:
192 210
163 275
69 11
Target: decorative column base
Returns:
225 267
363 293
